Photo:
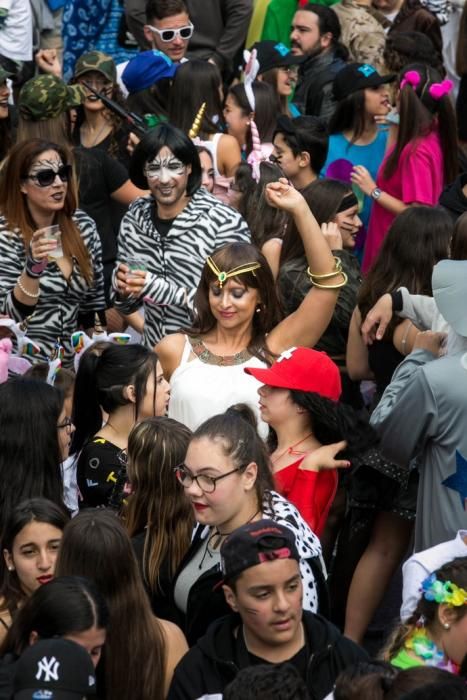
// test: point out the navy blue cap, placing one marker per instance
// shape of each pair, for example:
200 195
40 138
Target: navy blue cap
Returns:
146 69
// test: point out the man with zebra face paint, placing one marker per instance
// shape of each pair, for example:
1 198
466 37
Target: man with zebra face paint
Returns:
166 237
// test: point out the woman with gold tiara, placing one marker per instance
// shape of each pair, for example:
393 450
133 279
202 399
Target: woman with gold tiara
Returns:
238 321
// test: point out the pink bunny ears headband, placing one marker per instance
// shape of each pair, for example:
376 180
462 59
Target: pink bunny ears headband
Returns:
436 90
259 153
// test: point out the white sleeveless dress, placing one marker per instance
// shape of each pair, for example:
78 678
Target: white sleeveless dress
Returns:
200 389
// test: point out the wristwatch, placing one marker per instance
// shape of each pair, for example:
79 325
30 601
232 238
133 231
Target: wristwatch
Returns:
376 194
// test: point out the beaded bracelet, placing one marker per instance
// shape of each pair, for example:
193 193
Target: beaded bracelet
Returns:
332 286
31 295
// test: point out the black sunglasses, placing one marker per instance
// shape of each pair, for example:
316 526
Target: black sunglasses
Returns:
45 178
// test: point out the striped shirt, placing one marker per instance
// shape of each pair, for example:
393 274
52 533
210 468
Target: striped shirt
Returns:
174 261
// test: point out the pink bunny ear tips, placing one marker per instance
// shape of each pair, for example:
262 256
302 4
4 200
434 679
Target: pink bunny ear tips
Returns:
6 345
439 90
5 350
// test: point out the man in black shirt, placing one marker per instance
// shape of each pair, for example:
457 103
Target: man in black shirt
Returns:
262 585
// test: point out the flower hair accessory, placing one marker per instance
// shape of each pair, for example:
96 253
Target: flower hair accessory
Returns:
443 592
438 90
222 276
412 77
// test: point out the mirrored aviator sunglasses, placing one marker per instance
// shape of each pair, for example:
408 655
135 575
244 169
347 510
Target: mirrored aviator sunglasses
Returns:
45 178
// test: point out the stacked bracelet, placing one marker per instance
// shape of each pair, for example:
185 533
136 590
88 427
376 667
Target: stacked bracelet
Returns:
31 295
34 268
328 275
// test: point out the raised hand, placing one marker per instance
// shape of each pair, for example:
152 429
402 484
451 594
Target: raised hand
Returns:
283 195
325 458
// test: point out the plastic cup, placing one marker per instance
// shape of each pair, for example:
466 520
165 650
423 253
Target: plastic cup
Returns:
53 233
134 265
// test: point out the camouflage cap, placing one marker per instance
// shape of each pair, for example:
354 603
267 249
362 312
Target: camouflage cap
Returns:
4 74
97 61
47 96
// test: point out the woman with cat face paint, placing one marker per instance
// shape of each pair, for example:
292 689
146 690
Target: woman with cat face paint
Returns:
52 277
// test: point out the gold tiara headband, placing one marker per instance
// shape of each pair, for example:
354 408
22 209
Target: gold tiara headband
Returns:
222 276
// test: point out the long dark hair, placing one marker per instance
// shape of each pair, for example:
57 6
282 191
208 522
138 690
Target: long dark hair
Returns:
324 198
29 447
155 447
196 82
417 239
263 221
332 422
236 432
266 109
100 384
62 606
349 115
459 239
226 258
38 510
270 77
419 115
95 545
461 53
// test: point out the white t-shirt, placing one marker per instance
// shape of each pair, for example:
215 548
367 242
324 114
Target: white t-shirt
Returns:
422 564
16 33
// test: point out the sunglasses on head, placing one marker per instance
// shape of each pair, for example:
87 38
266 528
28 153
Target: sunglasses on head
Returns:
45 178
170 34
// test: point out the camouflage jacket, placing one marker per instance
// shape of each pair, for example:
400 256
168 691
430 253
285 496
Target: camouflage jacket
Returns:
363 32
294 284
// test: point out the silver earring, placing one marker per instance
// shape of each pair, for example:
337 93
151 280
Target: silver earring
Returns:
447 626
10 568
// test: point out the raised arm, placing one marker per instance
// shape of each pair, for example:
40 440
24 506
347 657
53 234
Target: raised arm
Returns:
307 324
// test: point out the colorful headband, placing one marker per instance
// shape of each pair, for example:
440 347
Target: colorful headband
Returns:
240 270
25 345
443 592
10 362
80 341
55 363
194 131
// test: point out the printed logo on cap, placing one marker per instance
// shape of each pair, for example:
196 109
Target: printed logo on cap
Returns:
47 669
286 355
367 70
42 695
282 49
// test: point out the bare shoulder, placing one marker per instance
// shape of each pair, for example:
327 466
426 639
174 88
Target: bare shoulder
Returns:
174 636
169 351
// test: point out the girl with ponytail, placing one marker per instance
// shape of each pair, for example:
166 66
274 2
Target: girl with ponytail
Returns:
436 633
422 161
125 382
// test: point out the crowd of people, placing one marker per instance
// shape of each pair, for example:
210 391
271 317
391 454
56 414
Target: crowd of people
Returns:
233 349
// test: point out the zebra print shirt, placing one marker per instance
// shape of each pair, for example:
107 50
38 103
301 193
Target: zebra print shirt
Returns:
173 262
56 312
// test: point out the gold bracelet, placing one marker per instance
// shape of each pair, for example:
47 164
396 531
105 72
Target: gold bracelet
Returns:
337 270
31 295
333 286
328 276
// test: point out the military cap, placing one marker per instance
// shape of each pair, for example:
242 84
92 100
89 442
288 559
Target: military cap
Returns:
96 61
46 97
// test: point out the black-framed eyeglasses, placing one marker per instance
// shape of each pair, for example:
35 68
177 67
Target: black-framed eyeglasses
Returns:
66 423
167 35
46 178
207 484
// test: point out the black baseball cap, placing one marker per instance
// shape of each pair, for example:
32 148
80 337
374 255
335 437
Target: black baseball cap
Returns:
54 669
358 76
256 543
274 54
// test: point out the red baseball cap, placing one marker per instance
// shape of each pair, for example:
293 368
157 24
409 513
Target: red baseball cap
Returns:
302 369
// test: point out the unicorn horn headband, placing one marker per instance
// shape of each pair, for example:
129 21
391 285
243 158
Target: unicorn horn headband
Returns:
194 131
222 276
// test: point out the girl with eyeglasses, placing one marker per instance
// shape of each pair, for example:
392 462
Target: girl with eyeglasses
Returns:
57 287
35 434
30 543
227 479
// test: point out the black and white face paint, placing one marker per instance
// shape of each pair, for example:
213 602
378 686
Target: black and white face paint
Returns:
165 168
